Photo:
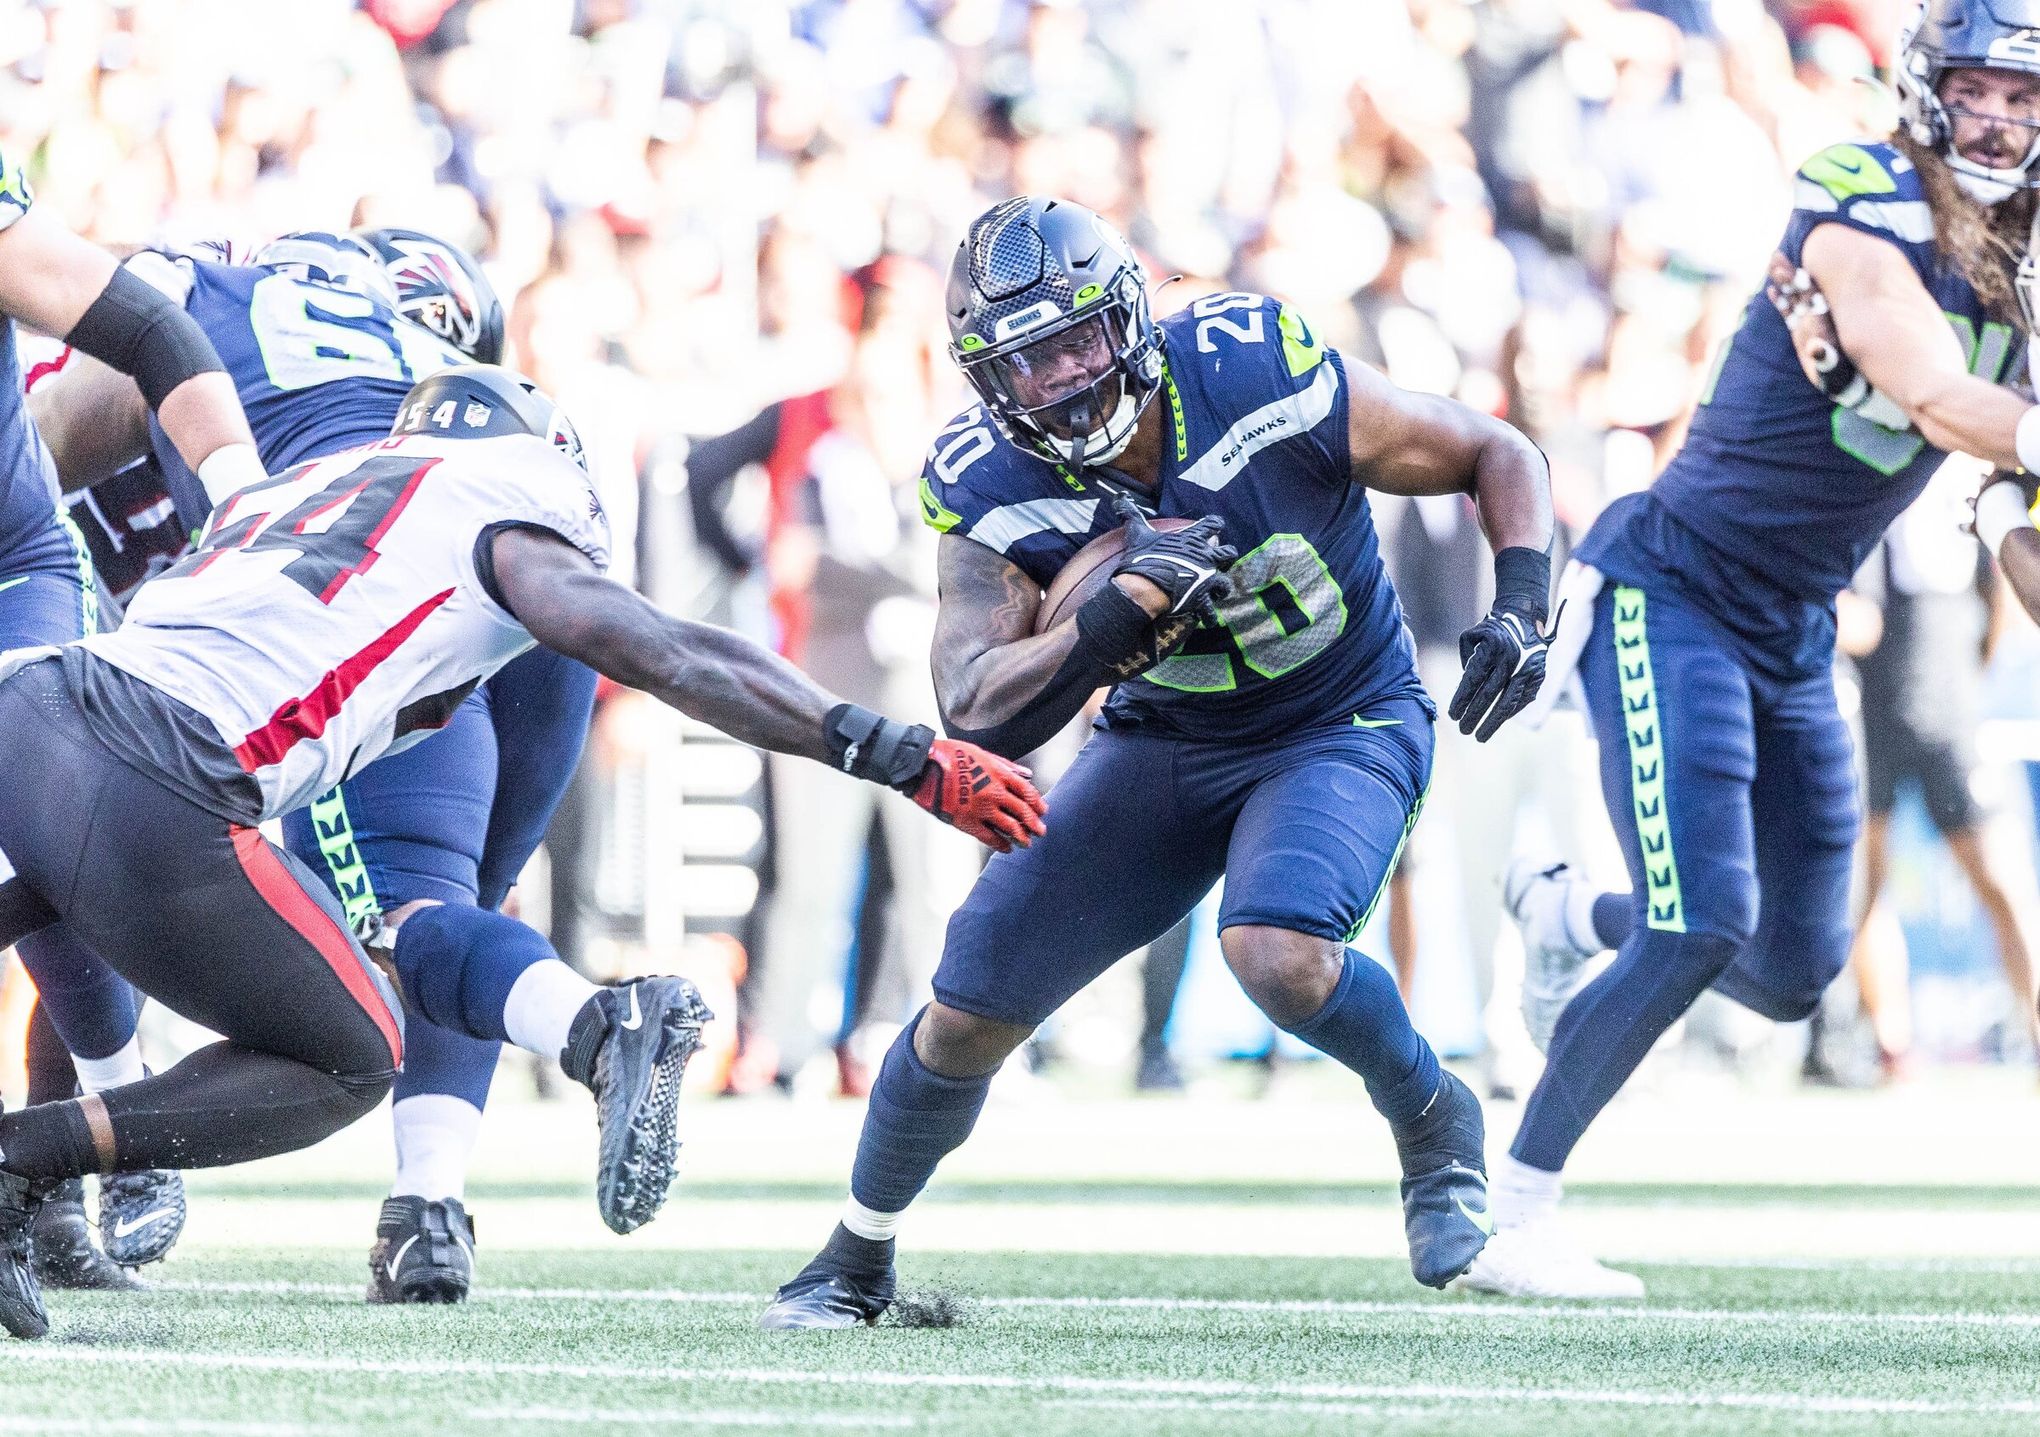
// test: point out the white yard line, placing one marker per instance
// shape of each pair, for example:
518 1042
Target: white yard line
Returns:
687 1417
1310 1393
1418 1307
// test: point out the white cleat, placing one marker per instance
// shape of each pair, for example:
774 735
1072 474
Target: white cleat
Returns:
1542 1260
1537 894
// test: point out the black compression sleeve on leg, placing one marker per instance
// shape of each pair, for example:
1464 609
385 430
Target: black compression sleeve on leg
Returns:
142 332
51 1077
48 1143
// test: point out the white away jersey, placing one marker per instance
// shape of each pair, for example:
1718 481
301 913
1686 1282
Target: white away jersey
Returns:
337 611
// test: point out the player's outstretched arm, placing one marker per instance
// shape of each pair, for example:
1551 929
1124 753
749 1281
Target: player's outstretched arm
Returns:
750 693
66 286
1404 443
1897 337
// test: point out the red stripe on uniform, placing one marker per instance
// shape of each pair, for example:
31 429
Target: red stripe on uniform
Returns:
289 901
307 717
38 373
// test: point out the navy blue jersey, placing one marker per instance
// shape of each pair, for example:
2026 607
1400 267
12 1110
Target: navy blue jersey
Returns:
1255 409
29 528
1778 495
279 336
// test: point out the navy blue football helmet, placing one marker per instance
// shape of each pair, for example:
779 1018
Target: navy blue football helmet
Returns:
1968 35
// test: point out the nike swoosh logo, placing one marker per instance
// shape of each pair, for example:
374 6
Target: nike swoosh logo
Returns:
122 1227
636 1019
1853 168
1359 722
12 582
1481 1219
397 1258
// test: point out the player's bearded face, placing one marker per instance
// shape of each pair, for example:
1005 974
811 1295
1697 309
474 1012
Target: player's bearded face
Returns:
1995 115
1056 379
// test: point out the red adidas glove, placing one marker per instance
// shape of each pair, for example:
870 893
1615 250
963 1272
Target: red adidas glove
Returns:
984 795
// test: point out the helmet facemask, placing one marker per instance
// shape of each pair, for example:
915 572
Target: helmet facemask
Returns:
1049 321
1073 388
1929 55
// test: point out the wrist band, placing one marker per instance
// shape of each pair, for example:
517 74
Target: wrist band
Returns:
2000 509
1523 581
2026 440
873 747
228 470
1113 630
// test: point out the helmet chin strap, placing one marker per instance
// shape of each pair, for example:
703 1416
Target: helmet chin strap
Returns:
1987 187
1081 422
1076 451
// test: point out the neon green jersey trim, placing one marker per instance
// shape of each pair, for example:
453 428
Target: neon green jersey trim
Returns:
1663 910
933 514
1176 413
1303 350
335 832
1846 171
1409 826
88 578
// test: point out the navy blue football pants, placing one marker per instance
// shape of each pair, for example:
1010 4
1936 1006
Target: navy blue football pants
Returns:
47 596
1305 832
1733 793
454 818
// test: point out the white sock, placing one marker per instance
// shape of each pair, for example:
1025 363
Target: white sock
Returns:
123 1065
1580 897
1519 1193
867 1222
435 1133
542 1005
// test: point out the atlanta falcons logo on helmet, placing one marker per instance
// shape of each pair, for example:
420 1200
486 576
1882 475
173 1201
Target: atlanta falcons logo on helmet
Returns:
441 287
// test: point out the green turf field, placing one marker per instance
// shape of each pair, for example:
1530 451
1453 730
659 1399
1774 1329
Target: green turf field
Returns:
1119 1267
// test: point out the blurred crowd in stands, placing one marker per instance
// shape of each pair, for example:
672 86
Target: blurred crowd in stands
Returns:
725 223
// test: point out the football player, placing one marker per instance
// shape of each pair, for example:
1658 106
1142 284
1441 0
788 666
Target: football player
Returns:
326 616
1707 663
324 335
1267 725
53 281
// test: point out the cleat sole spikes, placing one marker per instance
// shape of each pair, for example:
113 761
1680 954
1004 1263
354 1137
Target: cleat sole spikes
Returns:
639 1104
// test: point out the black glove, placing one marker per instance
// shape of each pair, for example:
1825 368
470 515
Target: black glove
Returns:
1503 654
1186 564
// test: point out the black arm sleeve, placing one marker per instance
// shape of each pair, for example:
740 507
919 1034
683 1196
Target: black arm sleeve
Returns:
142 332
712 465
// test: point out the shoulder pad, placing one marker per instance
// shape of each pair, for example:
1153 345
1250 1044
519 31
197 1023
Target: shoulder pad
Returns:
1258 334
971 471
1874 185
173 276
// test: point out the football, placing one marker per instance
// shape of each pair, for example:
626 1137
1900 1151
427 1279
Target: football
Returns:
1088 571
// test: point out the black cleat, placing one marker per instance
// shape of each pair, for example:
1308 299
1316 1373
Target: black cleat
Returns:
1444 1186
630 1046
141 1215
21 1304
424 1252
850 1283
65 1255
